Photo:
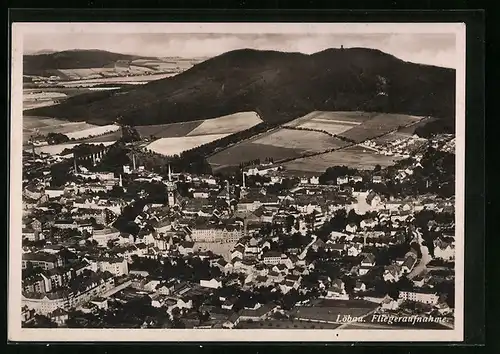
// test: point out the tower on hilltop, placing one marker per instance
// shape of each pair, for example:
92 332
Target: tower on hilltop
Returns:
171 189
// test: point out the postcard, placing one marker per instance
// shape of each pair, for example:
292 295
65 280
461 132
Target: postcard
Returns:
237 182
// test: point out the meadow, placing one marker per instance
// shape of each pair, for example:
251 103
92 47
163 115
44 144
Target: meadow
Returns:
353 157
248 151
228 124
310 141
175 146
379 125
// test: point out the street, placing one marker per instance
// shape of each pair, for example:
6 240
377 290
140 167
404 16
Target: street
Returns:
426 258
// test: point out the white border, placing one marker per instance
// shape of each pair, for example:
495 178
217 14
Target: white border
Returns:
16 333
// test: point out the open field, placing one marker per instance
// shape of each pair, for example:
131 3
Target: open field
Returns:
57 149
411 129
175 146
138 79
45 125
39 122
229 124
97 130
172 130
277 144
379 125
333 117
303 140
248 151
354 157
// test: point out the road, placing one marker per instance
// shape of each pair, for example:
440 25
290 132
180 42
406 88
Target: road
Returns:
117 289
426 258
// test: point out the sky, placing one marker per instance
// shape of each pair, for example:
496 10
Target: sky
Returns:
426 48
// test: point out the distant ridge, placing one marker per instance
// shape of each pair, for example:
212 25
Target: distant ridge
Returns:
43 63
279 86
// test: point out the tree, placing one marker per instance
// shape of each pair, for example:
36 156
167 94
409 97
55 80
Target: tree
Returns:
56 138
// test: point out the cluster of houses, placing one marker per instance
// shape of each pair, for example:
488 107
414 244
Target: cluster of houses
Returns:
221 223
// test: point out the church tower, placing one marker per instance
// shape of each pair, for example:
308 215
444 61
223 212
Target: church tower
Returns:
171 189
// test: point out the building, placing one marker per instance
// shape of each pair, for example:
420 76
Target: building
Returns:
41 259
54 192
171 189
117 266
271 258
105 235
444 250
226 234
422 296
342 180
211 283
83 290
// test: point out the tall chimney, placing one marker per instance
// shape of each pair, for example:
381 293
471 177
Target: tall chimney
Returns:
74 163
169 173
133 161
244 180
121 182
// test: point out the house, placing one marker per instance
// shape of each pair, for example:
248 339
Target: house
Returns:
186 247
444 250
238 252
354 250
41 259
336 290
392 273
373 199
368 261
425 296
368 223
271 258
54 192
259 313
211 283
232 321
117 266
356 179
360 286
419 281
201 194
59 316
100 302
342 180
377 179
31 234
409 264
335 247
317 244
389 304
351 228
314 180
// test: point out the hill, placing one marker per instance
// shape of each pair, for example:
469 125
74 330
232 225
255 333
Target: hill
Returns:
44 63
279 86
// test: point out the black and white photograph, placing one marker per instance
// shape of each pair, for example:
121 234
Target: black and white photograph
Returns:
237 182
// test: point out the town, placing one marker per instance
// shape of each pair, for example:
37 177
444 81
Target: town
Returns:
263 247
